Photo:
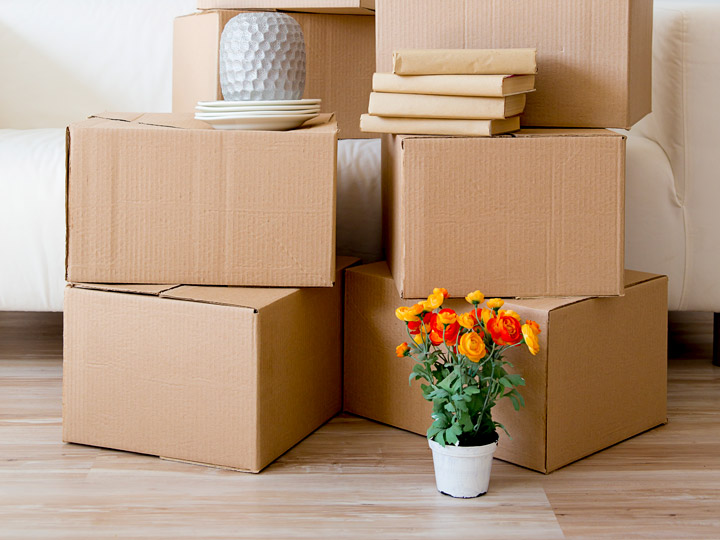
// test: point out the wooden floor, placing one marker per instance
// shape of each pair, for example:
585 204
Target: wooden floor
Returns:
352 478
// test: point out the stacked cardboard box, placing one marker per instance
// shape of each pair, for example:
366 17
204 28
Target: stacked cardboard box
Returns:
537 216
158 204
340 48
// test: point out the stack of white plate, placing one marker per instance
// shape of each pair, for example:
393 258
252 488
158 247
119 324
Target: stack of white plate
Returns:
257 115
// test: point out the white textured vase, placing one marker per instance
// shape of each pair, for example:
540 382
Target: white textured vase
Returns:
462 471
262 57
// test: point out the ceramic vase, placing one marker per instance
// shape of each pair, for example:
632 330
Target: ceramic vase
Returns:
262 57
462 471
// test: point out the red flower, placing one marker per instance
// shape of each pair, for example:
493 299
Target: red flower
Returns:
439 330
505 330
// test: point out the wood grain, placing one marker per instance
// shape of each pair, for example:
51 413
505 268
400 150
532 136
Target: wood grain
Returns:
352 478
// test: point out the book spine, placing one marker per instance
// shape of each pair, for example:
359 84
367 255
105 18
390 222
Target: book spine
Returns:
446 85
425 126
464 62
425 106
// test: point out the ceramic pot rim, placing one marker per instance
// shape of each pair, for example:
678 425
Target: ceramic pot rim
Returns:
463 451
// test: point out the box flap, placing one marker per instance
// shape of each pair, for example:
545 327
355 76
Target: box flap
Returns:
120 116
152 290
348 7
635 277
254 298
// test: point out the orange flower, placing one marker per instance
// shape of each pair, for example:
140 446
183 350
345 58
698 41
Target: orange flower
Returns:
467 320
531 339
407 314
434 301
441 290
509 313
438 330
402 350
472 346
475 297
535 326
495 303
505 330
446 316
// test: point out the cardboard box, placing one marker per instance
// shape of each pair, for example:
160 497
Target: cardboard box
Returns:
340 61
594 56
599 378
163 198
223 376
351 7
535 213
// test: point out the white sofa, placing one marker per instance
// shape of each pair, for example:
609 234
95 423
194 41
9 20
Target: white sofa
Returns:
62 61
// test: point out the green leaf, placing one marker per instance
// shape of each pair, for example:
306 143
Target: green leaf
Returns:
433 430
440 439
470 390
450 437
447 382
516 380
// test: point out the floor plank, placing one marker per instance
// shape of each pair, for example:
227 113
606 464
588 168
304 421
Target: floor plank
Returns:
352 478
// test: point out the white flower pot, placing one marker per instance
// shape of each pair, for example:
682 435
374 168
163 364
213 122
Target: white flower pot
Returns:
262 57
462 471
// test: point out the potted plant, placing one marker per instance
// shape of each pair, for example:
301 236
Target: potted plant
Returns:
460 359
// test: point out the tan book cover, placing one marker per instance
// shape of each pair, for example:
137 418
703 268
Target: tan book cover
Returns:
463 107
454 85
438 126
465 61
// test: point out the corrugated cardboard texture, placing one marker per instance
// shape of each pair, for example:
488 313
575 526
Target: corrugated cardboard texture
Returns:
215 383
594 56
583 393
547 207
340 56
354 7
150 204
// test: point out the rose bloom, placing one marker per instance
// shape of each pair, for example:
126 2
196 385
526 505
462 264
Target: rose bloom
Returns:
442 291
475 297
402 350
495 303
509 313
531 339
434 301
535 326
450 332
505 330
406 314
446 316
472 346
467 320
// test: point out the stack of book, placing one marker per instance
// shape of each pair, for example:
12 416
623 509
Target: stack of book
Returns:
451 92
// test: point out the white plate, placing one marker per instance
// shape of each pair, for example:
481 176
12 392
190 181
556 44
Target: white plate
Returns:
260 123
202 108
224 104
250 114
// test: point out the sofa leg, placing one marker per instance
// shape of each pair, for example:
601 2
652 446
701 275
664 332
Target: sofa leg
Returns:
716 339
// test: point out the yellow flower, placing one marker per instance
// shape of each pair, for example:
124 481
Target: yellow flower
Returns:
467 320
442 291
509 313
531 339
446 316
407 314
486 314
472 346
495 303
434 301
419 338
402 350
475 297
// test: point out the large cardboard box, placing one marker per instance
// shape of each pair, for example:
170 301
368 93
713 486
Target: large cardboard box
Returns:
353 7
594 56
340 61
223 376
599 378
163 198
536 213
